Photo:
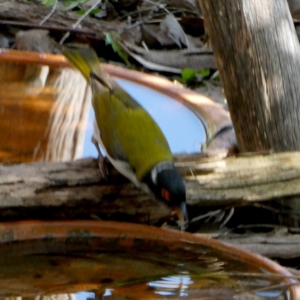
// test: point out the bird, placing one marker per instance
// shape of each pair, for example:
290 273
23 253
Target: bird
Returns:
130 138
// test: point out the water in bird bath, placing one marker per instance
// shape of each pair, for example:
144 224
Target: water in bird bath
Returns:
104 260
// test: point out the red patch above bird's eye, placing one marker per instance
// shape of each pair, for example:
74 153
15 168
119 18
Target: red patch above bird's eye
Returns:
165 194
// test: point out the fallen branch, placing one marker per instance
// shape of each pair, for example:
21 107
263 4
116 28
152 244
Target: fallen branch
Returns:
33 13
236 181
72 190
75 189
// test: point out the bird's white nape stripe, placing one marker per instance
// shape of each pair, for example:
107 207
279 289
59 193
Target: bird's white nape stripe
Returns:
164 165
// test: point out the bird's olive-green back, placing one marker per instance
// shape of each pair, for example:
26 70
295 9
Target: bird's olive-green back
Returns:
127 131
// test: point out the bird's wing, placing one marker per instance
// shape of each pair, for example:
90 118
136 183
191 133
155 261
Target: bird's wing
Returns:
141 139
127 131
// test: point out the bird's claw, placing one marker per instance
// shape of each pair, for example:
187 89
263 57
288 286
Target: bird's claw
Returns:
101 160
102 167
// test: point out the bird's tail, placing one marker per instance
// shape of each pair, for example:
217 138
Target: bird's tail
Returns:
87 62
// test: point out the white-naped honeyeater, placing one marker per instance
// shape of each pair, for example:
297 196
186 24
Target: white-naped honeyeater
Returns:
131 139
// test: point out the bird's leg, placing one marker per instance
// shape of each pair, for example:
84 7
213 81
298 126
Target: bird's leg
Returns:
182 215
182 225
101 161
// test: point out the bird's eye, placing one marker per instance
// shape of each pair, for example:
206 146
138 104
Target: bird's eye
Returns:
165 194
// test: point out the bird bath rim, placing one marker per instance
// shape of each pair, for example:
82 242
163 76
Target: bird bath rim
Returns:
213 116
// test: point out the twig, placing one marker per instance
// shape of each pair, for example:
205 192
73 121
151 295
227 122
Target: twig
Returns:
230 214
86 32
80 20
280 211
207 215
161 6
50 14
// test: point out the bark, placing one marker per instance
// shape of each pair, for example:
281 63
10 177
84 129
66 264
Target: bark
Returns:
75 189
72 190
257 53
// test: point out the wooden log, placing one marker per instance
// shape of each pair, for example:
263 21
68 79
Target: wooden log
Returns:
236 181
76 190
72 190
33 13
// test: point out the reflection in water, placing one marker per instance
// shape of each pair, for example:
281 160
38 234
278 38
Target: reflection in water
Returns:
87 275
44 115
175 287
86 267
68 116
171 285
85 296
56 297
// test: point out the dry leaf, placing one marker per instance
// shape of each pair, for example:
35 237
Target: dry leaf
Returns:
107 11
36 40
192 25
154 38
4 42
212 91
171 61
148 35
182 5
128 5
172 29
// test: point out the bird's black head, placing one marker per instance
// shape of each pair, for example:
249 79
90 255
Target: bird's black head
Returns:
167 185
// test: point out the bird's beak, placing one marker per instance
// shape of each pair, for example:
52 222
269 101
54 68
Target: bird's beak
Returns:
181 213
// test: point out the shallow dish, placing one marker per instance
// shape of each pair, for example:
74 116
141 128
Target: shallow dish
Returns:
127 261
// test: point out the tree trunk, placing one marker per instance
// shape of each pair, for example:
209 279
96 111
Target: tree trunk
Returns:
257 53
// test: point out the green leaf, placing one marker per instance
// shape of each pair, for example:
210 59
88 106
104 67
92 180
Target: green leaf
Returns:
188 74
95 11
92 12
69 5
191 75
80 12
204 73
49 2
113 38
